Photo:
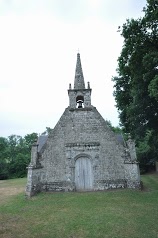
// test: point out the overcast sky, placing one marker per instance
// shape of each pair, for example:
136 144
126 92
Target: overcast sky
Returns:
39 41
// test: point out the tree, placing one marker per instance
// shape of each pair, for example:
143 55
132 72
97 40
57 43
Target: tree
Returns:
15 154
29 139
20 153
117 129
4 170
136 86
47 131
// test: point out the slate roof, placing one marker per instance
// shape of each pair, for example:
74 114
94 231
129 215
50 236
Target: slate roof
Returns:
41 141
120 139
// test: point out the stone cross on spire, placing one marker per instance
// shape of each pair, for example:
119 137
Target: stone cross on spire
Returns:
79 79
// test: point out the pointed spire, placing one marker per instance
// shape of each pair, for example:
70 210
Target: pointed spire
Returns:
79 79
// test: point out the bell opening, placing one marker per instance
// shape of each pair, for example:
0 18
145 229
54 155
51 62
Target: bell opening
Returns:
80 102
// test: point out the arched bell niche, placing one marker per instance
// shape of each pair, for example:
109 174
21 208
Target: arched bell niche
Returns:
80 101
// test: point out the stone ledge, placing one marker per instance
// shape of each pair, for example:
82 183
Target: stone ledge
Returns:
81 109
82 144
31 166
58 186
80 89
130 162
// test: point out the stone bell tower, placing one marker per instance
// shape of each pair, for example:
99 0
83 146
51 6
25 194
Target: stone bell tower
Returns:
79 97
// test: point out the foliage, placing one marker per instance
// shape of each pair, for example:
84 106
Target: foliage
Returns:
47 131
146 151
4 173
117 129
15 155
136 86
120 214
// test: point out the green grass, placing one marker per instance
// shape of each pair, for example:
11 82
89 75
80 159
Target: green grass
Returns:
111 214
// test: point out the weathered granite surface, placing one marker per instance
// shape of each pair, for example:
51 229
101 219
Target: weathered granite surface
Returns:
81 153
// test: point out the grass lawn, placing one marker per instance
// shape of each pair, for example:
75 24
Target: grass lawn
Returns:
111 214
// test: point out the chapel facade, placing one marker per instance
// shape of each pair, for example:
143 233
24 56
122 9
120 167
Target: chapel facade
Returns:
81 153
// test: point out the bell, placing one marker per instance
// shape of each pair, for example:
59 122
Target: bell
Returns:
80 104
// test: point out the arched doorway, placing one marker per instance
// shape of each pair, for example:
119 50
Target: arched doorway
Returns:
83 174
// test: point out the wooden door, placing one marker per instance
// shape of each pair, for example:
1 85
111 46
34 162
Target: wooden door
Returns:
83 174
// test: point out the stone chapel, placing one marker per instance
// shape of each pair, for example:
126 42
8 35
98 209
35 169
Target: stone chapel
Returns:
81 153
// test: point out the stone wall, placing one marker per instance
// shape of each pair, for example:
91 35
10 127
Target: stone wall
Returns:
82 132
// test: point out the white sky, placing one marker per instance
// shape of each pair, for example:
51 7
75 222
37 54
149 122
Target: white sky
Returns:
39 41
